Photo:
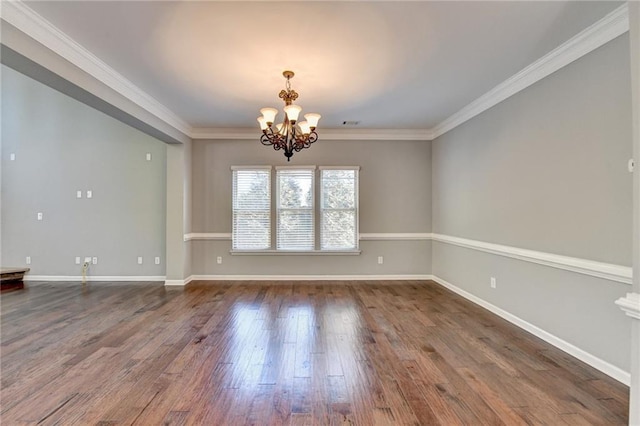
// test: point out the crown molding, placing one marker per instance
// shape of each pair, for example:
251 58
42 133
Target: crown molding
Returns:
377 134
606 29
16 13
324 134
25 19
225 133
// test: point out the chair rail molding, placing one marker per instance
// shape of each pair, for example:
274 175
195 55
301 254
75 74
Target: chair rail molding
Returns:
388 236
608 271
395 236
212 236
630 305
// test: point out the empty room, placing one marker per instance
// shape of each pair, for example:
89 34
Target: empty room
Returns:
319 212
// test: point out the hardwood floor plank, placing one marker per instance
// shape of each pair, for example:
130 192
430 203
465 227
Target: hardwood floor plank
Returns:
257 353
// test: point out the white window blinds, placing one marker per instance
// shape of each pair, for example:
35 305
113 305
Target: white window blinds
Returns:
339 209
251 209
294 209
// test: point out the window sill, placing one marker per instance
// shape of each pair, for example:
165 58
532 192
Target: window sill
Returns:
295 253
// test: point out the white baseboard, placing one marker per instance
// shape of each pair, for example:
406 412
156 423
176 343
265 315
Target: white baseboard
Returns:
118 278
595 362
178 283
305 277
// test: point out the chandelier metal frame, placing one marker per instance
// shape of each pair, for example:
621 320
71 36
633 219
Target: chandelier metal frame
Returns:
290 136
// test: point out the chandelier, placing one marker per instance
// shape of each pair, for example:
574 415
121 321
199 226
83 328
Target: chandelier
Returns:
290 135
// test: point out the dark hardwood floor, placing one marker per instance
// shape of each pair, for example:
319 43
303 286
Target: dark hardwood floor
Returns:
231 353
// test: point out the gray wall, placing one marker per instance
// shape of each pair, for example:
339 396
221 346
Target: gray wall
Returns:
545 170
395 183
62 146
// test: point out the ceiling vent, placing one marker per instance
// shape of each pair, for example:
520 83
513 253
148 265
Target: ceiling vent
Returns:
350 123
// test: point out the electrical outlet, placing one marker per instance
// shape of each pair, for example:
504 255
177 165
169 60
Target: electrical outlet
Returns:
380 260
493 282
77 260
40 216
89 194
78 194
219 260
148 156
630 165
87 260
28 260
94 260
139 260
12 157
157 260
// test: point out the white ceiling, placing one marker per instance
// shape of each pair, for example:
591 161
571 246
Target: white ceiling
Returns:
389 65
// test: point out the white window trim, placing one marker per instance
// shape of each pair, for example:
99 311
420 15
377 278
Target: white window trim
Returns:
273 252
277 209
339 168
255 168
316 212
251 167
357 207
296 167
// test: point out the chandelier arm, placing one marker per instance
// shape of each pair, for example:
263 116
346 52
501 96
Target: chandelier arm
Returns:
265 139
288 138
313 136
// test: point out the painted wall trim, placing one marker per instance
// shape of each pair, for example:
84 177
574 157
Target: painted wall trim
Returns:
362 237
25 19
396 236
607 271
630 305
606 29
305 277
324 134
597 363
29 22
117 278
207 236
178 283
295 253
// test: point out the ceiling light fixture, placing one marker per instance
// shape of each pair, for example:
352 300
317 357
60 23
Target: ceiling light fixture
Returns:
290 135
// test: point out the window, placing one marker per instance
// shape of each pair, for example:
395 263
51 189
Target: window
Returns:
339 210
302 222
251 208
295 209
